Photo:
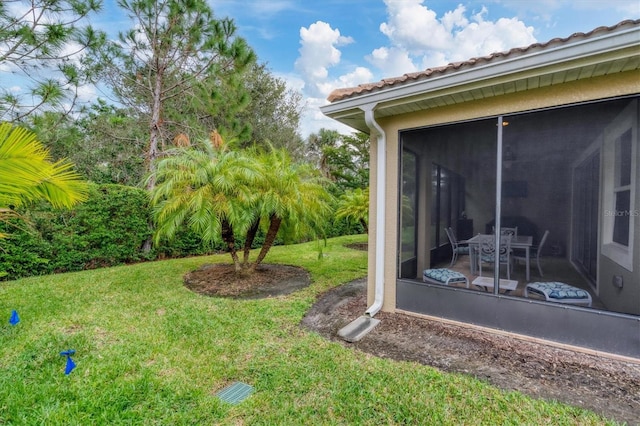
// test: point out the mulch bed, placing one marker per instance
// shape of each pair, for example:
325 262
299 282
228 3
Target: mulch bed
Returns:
606 386
221 280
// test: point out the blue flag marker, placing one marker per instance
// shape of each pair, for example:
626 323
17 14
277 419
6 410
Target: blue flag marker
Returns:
70 364
15 319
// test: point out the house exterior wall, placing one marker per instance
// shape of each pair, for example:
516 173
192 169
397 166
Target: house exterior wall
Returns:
619 84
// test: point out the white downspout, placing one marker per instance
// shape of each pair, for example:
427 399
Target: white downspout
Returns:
381 183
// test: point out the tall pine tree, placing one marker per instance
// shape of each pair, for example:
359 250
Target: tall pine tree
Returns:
177 67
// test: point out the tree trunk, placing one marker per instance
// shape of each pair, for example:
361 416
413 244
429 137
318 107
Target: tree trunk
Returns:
364 225
251 236
274 226
229 239
155 130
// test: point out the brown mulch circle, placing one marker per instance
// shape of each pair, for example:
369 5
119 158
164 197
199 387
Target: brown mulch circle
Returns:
267 281
358 246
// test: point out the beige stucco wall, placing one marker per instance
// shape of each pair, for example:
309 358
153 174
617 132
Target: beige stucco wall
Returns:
578 91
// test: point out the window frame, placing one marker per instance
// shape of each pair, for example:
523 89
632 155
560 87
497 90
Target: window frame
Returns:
626 121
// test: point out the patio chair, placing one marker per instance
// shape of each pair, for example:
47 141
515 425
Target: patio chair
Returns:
507 231
486 252
456 248
559 292
444 276
533 252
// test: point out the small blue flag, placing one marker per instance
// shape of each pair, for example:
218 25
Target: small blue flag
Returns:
15 319
70 364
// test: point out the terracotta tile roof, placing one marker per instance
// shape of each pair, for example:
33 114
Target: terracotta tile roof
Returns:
349 92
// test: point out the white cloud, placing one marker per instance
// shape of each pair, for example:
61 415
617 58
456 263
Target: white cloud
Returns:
73 51
414 27
434 59
358 76
418 36
313 120
392 61
7 66
318 52
630 8
417 39
482 37
293 81
87 93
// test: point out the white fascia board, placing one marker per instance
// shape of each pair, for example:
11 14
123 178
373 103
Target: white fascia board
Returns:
545 57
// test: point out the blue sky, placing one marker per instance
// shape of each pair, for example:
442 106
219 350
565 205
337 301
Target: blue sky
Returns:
317 46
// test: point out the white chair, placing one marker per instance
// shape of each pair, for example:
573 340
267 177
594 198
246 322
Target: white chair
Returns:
444 276
533 252
559 292
486 252
507 231
456 248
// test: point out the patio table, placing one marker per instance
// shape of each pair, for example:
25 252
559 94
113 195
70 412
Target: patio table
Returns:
520 242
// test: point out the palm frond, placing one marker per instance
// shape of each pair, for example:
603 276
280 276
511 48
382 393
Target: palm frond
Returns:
27 173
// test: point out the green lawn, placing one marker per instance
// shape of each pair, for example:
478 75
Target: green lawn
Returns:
149 351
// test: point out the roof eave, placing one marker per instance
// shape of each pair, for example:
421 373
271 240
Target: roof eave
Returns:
596 49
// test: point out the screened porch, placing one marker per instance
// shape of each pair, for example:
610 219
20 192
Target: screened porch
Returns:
567 179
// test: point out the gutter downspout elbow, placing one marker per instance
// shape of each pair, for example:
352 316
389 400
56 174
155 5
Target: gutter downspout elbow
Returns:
381 173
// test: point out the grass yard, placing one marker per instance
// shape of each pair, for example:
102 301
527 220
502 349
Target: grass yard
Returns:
149 351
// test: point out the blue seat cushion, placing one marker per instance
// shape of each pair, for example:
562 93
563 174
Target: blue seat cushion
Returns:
462 250
558 290
444 274
490 258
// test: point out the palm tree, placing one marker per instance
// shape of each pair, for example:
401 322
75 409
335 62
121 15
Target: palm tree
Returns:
220 192
354 206
27 174
292 197
210 188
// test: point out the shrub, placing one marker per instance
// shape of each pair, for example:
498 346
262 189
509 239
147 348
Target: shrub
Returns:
24 252
109 229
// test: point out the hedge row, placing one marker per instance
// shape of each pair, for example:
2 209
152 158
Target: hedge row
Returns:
110 228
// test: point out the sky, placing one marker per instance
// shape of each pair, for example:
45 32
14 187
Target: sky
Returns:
318 46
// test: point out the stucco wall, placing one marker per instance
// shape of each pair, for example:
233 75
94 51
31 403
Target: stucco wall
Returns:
578 91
